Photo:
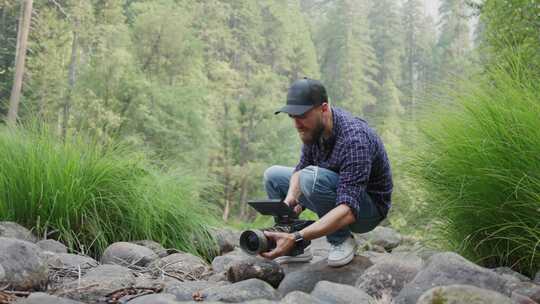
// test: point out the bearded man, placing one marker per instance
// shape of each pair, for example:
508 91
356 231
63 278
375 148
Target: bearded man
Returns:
343 176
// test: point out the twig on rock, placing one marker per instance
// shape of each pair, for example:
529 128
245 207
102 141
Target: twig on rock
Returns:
9 296
124 295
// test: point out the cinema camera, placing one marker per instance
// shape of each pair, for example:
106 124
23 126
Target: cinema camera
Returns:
254 241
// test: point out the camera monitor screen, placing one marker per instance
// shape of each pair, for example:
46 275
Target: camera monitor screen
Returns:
273 207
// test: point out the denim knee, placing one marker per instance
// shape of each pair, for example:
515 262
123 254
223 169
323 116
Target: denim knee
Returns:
270 174
308 177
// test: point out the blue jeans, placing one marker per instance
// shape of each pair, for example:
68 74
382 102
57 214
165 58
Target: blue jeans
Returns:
318 187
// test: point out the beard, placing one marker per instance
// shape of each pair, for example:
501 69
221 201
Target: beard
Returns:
309 137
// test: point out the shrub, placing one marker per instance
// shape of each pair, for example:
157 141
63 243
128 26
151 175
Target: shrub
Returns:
480 163
88 194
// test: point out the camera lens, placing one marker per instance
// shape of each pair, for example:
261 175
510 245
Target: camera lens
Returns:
253 241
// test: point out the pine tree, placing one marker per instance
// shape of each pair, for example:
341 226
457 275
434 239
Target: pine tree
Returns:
454 39
417 58
384 20
346 57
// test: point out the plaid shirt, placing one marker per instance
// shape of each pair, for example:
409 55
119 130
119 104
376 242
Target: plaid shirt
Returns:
357 154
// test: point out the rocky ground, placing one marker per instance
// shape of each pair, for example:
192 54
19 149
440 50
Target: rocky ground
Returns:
388 269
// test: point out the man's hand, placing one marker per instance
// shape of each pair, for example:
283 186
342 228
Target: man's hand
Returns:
293 203
294 193
284 244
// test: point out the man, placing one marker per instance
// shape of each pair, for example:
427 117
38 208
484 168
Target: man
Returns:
343 175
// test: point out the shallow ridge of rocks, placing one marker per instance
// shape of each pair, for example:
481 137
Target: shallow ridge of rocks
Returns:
389 268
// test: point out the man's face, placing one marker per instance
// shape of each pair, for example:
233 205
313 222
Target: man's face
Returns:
309 125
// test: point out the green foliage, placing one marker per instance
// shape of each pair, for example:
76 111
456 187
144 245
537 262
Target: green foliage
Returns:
510 26
480 165
88 195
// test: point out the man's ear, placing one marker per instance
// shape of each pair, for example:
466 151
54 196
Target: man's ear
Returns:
325 106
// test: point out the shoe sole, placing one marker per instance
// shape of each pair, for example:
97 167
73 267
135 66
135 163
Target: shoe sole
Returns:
287 259
346 260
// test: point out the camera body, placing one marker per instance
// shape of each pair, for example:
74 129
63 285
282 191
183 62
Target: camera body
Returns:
254 241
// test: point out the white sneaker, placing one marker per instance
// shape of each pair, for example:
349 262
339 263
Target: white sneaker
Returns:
304 257
342 254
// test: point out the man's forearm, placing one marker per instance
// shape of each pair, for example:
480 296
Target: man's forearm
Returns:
294 188
337 218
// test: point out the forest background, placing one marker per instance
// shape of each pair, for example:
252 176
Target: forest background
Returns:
193 85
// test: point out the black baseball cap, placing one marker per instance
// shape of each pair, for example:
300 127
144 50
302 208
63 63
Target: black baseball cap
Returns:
303 95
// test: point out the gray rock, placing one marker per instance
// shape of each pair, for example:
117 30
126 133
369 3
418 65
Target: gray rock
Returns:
43 298
97 283
364 245
268 271
256 301
372 255
221 263
69 260
154 246
2 273
184 290
199 302
527 289
183 265
406 257
66 267
218 277
340 294
260 301
409 240
52 246
306 278
519 299
510 274
16 231
536 279
449 268
382 236
319 249
404 248
457 294
128 254
160 298
23 267
147 280
242 291
418 249
390 274
226 239
296 297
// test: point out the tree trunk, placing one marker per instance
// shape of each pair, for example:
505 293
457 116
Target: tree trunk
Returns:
19 63
19 27
245 157
226 169
243 195
71 80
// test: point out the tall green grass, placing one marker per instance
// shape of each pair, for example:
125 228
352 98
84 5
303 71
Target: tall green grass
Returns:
480 163
89 195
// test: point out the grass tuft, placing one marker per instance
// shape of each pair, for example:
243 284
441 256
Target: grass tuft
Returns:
89 195
481 167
